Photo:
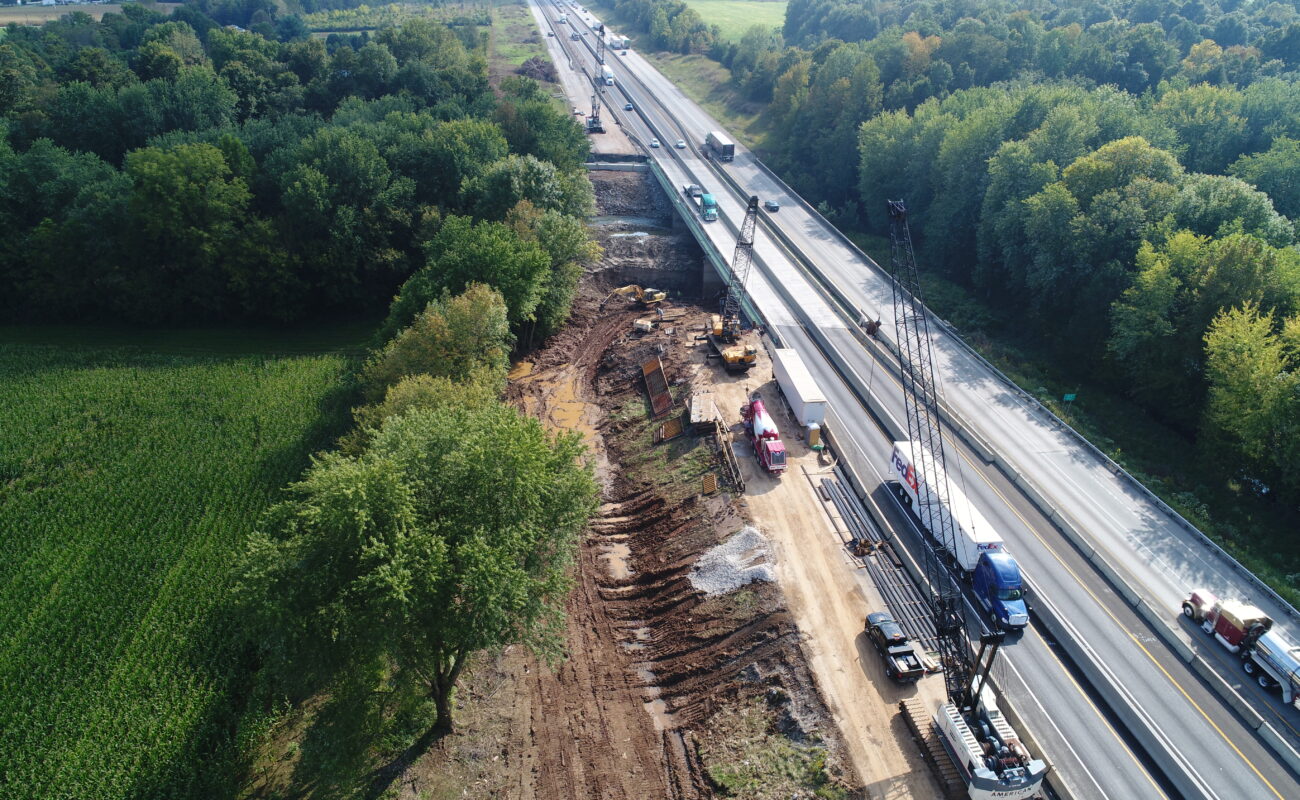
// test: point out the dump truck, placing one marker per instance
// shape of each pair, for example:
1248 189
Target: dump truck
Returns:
764 436
704 202
722 148
807 404
901 661
1248 632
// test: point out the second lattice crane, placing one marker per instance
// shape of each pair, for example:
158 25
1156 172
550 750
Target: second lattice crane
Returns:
725 331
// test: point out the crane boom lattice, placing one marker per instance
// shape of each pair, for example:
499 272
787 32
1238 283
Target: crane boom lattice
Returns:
925 430
740 264
600 43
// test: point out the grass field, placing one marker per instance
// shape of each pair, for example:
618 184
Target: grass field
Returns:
36 15
515 37
129 480
734 17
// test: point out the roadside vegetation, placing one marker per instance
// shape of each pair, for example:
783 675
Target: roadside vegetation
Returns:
1102 199
183 577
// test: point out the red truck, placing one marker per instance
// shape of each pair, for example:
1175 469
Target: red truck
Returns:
764 436
1235 625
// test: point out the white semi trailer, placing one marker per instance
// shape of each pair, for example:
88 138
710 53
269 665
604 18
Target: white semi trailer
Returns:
974 535
806 400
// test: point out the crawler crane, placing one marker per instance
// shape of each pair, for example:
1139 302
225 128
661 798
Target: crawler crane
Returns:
724 331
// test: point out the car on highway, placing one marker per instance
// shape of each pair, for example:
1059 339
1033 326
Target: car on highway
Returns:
771 205
627 106
681 144
654 142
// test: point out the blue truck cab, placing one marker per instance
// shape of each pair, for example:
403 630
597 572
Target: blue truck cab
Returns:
998 588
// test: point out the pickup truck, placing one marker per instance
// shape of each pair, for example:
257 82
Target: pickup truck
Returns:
901 661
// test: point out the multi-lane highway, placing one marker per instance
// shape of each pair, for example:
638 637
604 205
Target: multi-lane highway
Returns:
1201 747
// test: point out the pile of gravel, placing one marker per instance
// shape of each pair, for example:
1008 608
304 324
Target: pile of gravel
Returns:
740 560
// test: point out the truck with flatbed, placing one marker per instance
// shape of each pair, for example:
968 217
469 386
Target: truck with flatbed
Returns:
807 403
703 201
901 660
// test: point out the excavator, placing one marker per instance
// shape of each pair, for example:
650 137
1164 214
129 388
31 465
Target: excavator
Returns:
644 298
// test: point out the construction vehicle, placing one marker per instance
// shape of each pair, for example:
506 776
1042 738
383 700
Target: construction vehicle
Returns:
986 751
704 202
722 148
764 436
800 390
644 298
901 661
594 125
1248 632
725 331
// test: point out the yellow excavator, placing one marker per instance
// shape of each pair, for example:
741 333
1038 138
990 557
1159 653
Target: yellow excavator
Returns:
644 298
724 338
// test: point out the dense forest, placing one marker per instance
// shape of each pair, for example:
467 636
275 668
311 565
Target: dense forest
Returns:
1120 178
218 165
164 169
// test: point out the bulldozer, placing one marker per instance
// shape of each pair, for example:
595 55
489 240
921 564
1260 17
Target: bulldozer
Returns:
644 298
724 339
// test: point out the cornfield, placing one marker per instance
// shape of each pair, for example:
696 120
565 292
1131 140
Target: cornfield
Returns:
128 483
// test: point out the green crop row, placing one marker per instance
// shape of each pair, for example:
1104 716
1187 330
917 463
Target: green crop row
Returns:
128 484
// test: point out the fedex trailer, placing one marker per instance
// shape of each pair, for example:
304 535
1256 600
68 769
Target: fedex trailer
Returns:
973 534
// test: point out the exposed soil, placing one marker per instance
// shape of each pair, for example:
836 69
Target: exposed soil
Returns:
650 659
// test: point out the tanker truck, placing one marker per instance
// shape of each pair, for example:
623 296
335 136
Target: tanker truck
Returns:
764 436
1248 632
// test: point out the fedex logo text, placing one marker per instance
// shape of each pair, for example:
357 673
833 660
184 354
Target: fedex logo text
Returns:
905 471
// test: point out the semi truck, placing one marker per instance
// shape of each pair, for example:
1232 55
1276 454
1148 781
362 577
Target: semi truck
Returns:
978 549
722 148
618 42
704 202
764 436
999 590
807 404
564 19
607 74
1248 632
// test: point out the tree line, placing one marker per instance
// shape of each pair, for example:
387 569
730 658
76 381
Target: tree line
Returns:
170 169
164 169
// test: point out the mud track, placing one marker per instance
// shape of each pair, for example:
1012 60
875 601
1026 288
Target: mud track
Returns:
648 657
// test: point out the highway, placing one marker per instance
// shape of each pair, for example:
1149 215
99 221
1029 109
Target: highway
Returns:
1175 715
